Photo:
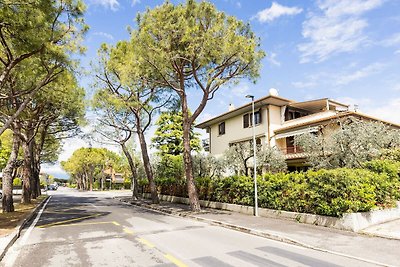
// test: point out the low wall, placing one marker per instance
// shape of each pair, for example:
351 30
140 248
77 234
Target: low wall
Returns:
350 221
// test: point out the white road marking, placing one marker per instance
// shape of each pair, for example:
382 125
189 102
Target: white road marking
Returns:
14 253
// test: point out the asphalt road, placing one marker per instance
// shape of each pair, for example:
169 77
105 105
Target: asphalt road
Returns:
92 229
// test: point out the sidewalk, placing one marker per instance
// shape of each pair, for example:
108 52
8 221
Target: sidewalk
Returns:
373 249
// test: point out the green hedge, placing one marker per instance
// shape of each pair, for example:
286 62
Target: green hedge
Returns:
323 192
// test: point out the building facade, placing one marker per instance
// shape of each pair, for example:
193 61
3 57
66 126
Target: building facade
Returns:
277 121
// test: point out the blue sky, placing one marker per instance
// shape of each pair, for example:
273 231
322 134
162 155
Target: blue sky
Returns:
347 50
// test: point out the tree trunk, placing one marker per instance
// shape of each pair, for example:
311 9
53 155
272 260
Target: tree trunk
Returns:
132 166
84 182
26 175
33 180
187 158
91 178
146 163
7 201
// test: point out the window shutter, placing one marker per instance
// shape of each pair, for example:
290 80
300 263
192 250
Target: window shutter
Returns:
246 121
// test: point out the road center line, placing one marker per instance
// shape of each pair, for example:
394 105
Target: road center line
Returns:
128 231
145 242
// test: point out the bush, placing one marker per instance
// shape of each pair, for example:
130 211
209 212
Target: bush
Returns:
127 184
96 185
323 192
17 182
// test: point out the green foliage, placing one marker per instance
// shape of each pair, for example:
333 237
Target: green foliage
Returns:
86 164
323 192
391 154
5 147
17 182
170 167
390 167
349 144
168 137
206 165
269 159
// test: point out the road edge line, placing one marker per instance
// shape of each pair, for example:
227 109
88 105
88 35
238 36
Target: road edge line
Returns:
17 230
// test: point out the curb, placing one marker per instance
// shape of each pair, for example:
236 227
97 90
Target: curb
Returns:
11 238
250 231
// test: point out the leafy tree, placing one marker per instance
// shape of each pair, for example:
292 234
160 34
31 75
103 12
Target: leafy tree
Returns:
86 165
193 46
47 119
271 159
116 126
131 92
168 137
354 142
36 39
206 165
170 167
237 157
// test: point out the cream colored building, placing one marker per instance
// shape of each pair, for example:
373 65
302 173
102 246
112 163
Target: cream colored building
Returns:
278 120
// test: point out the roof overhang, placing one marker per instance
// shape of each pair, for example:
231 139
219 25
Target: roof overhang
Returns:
297 132
318 104
268 100
329 119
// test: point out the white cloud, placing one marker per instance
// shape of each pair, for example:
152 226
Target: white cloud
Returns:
111 4
361 103
303 84
272 59
359 74
240 90
135 2
104 34
397 52
54 170
371 107
275 11
392 40
387 111
238 4
337 28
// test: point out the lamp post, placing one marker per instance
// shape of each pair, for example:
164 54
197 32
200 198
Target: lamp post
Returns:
254 157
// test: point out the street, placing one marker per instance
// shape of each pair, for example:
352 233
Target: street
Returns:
92 229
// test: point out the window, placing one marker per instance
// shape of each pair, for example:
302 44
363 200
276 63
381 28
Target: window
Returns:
257 117
221 128
248 119
291 114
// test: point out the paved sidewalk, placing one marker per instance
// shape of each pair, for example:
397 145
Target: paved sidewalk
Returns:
361 246
389 229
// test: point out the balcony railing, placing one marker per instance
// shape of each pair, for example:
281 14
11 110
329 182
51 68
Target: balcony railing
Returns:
293 152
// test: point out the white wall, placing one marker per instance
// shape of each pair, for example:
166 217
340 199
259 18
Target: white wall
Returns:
234 131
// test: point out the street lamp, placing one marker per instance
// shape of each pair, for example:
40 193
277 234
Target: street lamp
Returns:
254 157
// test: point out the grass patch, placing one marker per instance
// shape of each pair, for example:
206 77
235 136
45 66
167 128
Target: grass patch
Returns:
9 220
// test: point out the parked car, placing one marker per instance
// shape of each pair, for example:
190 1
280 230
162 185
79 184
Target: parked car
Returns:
1 194
51 187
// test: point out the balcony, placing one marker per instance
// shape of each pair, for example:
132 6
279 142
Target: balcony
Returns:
293 152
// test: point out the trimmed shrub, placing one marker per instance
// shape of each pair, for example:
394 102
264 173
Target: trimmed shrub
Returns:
324 192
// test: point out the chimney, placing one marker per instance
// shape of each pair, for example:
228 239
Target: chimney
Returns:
231 107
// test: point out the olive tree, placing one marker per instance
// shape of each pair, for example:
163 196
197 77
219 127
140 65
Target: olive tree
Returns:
354 142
